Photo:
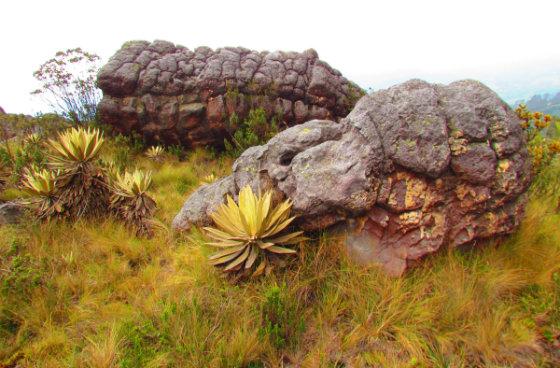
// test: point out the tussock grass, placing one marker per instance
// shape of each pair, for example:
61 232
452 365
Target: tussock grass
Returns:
91 294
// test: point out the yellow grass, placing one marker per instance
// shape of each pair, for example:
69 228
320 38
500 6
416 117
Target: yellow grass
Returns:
91 294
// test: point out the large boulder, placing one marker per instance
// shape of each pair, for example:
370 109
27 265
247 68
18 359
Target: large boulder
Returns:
172 95
411 169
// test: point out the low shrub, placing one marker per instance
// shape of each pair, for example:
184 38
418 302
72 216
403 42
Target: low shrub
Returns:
282 322
68 84
543 132
253 131
16 158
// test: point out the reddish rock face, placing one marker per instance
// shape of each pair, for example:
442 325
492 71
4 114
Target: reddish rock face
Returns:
173 95
411 169
420 215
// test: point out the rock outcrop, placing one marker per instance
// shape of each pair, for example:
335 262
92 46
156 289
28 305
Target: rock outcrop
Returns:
170 94
2 112
11 213
411 169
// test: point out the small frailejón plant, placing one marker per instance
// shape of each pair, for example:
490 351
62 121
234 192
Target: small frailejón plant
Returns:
209 179
42 185
131 202
32 138
83 189
249 233
155 153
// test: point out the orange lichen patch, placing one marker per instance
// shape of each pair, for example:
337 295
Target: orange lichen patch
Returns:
470 196
457 144
410 219
503 165
408 192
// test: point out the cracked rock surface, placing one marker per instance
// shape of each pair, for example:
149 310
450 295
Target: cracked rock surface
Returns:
411 169
170 94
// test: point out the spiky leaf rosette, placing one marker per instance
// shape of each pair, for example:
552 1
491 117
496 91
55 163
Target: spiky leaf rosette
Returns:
155 153
32 138
249 232
75 147
209 179
83 190
130 200
42 184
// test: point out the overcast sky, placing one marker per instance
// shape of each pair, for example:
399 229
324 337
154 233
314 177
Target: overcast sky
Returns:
510 45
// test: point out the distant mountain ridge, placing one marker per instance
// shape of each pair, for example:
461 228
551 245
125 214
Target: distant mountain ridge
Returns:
548 103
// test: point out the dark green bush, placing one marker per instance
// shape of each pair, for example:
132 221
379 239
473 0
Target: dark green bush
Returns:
19 125
253 131
282 321
17 158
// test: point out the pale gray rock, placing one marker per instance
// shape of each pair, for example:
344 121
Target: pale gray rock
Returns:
10 213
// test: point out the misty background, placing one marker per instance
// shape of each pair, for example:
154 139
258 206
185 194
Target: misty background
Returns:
510 46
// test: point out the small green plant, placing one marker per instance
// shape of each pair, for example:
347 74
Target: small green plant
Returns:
16 159
253 131
281 322
176 151
21 276
121 157
249 232
131 202
141 342
155 153
132 141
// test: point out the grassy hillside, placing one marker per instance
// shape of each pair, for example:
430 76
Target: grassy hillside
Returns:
91 294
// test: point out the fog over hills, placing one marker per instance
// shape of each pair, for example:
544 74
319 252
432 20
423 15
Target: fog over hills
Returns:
534 83
514 83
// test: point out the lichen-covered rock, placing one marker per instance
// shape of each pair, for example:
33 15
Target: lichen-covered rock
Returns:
411 169
173 95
